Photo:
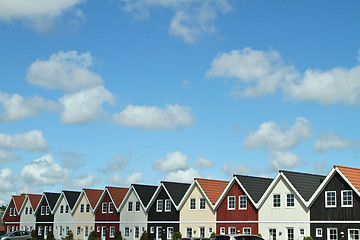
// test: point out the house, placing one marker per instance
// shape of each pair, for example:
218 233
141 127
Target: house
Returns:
283 209
107 216
133 214
44 214
11 215
83 213
237 207
27 212
197 208
163 210
63 219
335 207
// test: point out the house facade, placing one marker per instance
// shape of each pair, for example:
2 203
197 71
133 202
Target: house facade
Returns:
44 214
27 212
11 216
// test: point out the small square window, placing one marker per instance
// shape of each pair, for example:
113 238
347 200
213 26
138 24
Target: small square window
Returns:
246 230
222 230
318 232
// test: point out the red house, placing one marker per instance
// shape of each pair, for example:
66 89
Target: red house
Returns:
107 215
237 207
11 216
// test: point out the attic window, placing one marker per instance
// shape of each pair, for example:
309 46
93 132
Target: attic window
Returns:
87 207
330 199
276 200
104 207
202 203
347 198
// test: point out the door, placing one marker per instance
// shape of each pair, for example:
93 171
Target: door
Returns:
290 234
46 232
272 234
86 232
158 233
136 232
103 233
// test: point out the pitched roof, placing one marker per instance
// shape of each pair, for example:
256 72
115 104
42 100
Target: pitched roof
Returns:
254 186
34 200
352 174
93 196
71 197
52 198
176 190
212 188
18 201
306 184
117 194
145 192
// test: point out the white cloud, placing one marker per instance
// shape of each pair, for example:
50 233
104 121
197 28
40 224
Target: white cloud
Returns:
272 136
204 163
85 181
283 160
192 18
229 170
321 167
6 156
173 161
39 14
151 117
6 180
121 180
17 107
32 140
116 164
331 140
187 175
73 160
44 171
68 71
136 177
84 106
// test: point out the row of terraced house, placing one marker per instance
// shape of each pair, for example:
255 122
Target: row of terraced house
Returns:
293 205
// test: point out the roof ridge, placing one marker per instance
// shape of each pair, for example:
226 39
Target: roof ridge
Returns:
208 179
173 182
337 166
244 175
313 174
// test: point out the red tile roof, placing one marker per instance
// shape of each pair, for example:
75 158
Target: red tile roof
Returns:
117 194
212 188
93 196
34 200
18 201
352 174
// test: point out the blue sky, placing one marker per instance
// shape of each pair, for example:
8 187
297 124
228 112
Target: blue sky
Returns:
97 93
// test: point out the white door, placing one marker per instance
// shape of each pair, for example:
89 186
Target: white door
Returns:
45 232
103 233
158 233
86 232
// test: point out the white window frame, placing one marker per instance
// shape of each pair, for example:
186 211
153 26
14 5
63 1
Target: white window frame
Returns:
287 233
104 207
342 198
98 229
230 229
87 208
301 232
273 200
158 230
231 203
159 205
82 208
66 209
167 205
210 230
353 229
192 203
61 209
318 232
127 232
111 207
202 203
169 230
137 206
112 232
247 229
326 199
152 229
47 210
130 207
188 230
328 233
241 199
222 230
275 232
26 210
288 202
42 210
136 232
30 210
78 230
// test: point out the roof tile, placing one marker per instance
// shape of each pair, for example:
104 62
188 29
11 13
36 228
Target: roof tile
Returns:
352 174
18 201
117 194
93 196
212 188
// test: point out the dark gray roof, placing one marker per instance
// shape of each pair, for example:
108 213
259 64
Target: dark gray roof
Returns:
255 186
145 192
306 184
52 198
71 197
176 190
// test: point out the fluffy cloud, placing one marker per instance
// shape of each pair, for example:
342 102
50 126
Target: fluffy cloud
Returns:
120 180
6 180
135 177
283 160
32 140
204 163
272 136
151 117
116 164
83 106
85 181
321 167
44 172
173 161
191 19
6 156
187 175
331 140
17 107
68 71
38 13
229 170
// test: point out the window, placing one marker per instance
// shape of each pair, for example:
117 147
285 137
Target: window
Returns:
152 229
354 234
66 209
192 203
104 207
276 200
189 232
242 202
111 207
231 202
167 205
30 210
98 229
86 231
290 233
159 205
87 207
40 231
272 234
202 203
318 232
137 206
202 232
42 210
62 209
67 230
332 234
210 231
170 232
158 233
222 230
12 210
127 232
60 230
47 210
246 230
78 230
112 232
136 232
130 206
347 198
232 230
26 210
301 232
330 199
290 200
81 208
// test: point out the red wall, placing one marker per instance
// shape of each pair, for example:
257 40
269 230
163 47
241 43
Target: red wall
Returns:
15 220
223 214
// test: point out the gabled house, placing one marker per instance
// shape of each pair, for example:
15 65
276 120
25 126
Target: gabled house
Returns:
45 215
107 215
133 214
335 207
237 207
163 210
27 212
63 218
197 208
283 209
11 215
83 213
